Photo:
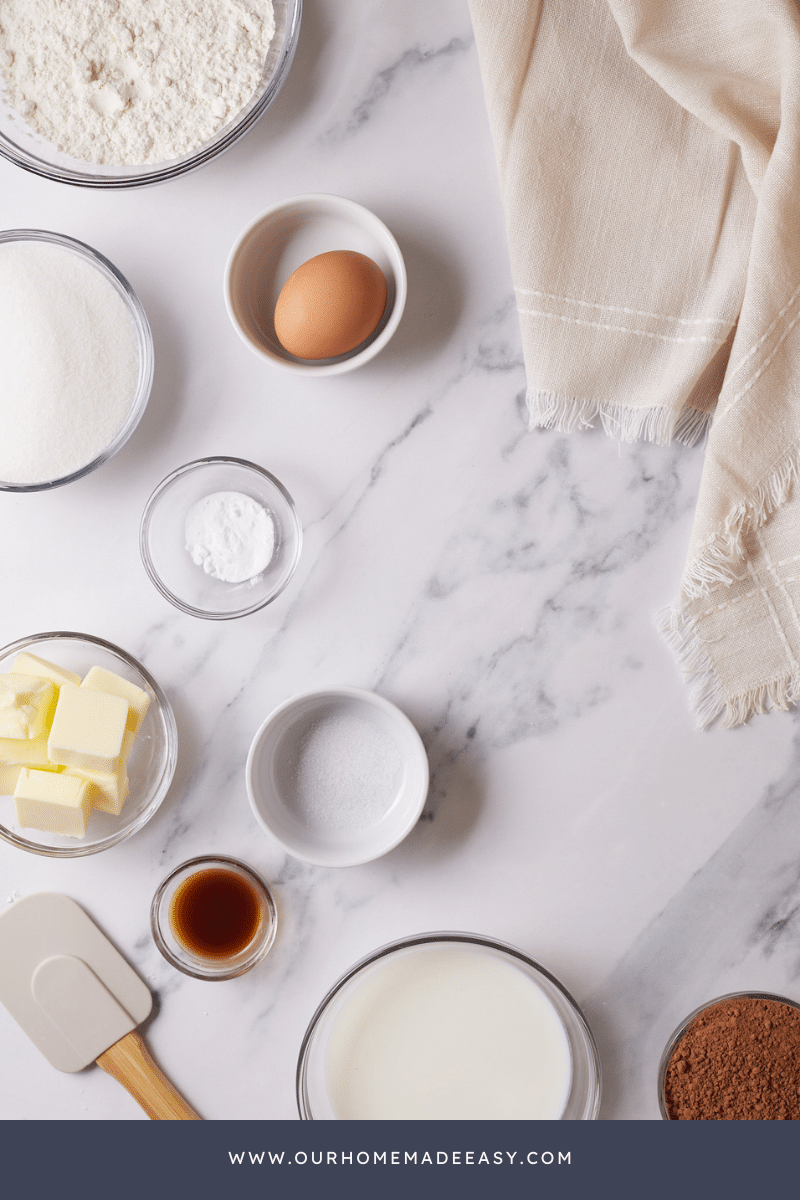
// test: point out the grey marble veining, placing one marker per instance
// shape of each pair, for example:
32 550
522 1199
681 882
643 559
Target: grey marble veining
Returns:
403 71
732 927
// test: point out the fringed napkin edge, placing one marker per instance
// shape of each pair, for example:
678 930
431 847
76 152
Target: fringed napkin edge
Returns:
708 701
625 422
718 561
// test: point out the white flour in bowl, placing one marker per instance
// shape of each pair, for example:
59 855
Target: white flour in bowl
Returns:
132 81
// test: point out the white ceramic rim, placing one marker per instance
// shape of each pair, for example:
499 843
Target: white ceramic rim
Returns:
361 216
379 847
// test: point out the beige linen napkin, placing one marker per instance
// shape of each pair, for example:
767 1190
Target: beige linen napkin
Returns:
649 159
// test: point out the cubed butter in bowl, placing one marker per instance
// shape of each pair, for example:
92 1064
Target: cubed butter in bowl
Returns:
87 730
26 752
32 664
109 788
100 680
105 756
56 802
26 705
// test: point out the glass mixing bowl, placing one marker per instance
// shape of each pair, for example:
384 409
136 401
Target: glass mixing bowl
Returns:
189 959
162 538
144 344
20 145
677 1037
340 1046
151 765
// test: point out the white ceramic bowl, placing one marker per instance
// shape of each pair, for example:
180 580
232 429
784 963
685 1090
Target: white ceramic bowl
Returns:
151 765
280 240
162 540
337 777
20 145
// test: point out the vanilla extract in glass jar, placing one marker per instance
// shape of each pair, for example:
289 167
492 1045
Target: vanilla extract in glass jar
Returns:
215 913
213 918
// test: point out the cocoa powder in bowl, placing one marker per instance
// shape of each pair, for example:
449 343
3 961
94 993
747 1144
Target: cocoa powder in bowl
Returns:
736 1059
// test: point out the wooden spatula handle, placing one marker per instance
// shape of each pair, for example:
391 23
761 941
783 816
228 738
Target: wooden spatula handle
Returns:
129 1061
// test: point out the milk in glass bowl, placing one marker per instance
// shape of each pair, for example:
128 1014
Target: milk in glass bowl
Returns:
448 1026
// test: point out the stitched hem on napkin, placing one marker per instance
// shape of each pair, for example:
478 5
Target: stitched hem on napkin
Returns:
626 422
708 701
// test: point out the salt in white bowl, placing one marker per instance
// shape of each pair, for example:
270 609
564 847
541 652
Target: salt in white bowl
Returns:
337 777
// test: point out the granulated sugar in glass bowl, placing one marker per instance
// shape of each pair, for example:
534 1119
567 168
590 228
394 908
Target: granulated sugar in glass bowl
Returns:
77 360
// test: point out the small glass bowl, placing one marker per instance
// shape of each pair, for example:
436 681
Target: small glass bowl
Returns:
144 341
200 967
21 146
300 824
151 765
677 1036
162 540
280 240
313 1099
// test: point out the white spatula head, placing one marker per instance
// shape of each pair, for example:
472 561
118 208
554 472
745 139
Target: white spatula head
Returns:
81 1008
62 980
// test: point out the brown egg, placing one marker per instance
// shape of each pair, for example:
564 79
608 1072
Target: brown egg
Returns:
330 305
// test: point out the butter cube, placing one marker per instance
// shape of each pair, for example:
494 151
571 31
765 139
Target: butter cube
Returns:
88 729
26 705
101 680
26 752
31 664
108 792
109 789
8 779
53 803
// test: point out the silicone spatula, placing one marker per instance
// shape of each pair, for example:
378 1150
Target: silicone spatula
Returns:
78 999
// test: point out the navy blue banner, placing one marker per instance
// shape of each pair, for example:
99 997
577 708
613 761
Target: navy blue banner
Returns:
280 1160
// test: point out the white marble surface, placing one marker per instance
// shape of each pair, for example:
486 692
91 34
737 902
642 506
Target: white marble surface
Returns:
497 584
